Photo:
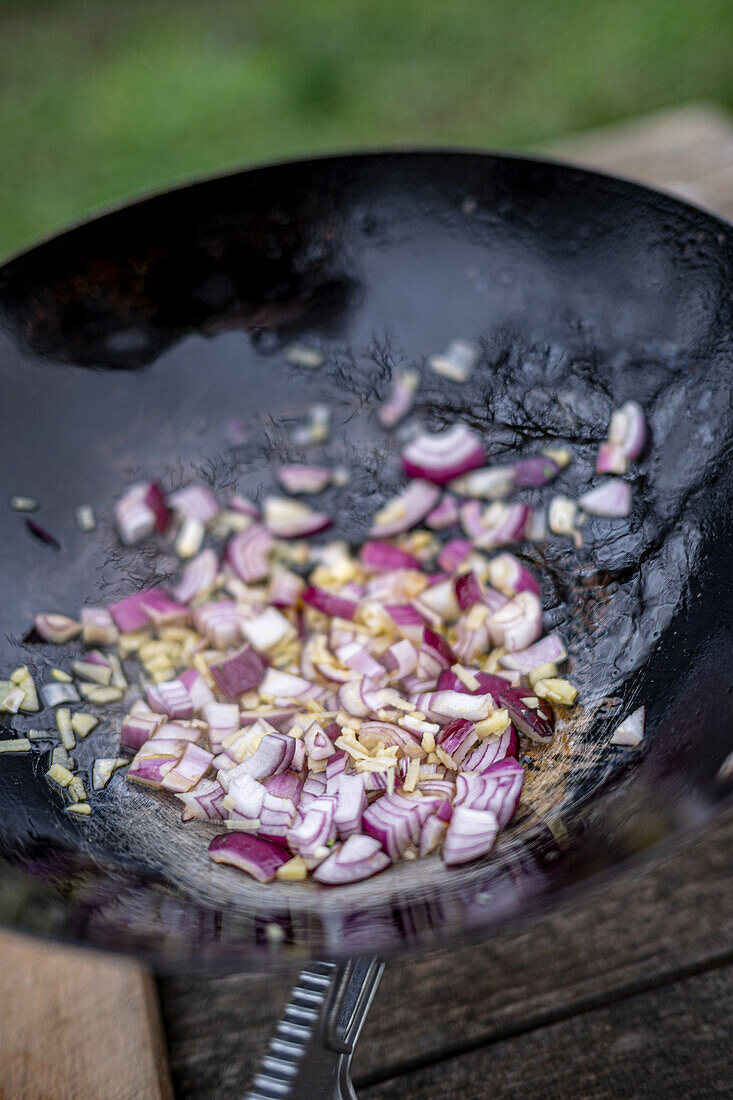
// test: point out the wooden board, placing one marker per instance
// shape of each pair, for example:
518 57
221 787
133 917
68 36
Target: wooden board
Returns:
77 1025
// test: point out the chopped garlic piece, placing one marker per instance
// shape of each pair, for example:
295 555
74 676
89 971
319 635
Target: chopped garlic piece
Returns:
15 744
561 515
492 726
96 693
428 741
556 691
446 758
411 778
81 808
561 455
63 723
547 671
77 790
295 870
61 676
466 677
60 775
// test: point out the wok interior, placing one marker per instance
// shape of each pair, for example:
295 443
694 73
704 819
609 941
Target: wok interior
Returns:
127 345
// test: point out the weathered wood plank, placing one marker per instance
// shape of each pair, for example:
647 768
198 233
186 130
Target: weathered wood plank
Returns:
636 931
688 151
77 1024
671 1043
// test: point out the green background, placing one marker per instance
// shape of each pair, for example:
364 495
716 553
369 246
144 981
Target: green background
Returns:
101 99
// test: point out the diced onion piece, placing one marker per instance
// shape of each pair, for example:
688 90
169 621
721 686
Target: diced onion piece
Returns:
406 510
630 732
561 516
251 854
303 479
402 395
56 628
458 362
492 482
471 833
612 498
291 519
442 456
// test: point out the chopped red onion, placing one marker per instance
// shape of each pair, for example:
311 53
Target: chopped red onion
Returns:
351 803
612 498
395 821
497 525
492 482
549 650
197 688
98 626
248 553
285 588
154 760
189 770
243 506
496 789
161 610
431 835
405 510
56 628
204 801
194 502
457 738
129 613
631 730
304 479
316 829
357 858
329 603
628 429
402 395
401 658
445 514
509 576
355 656
220 622
471 833
317 745
532 473
468 590
442 456
382 557
518 623
239 673
198 577
490 752
291 519
453 553
257 857
170 698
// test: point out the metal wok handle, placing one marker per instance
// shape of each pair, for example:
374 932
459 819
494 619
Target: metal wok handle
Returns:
309 1056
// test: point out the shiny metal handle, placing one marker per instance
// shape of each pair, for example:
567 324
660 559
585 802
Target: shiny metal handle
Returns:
309 1056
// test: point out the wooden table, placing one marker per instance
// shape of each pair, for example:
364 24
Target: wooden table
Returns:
626 994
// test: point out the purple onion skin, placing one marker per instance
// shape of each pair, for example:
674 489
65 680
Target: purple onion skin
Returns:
328 603
531 473
382 557
239 673
529 722
259 858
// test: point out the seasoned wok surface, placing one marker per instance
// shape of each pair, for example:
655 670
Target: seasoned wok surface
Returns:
126 346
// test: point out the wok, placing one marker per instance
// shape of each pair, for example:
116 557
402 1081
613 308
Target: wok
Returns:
129 344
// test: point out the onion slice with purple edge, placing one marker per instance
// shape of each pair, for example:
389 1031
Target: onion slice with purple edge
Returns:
534 472
498 789
248 553
401 397
304 479
359 857
382 557
405 510
257 857
549 650
194 502
239 673
292 519
612 499
518 623
471 833
497 525
329 603
445 513
442 456
198 576
489 752
509 576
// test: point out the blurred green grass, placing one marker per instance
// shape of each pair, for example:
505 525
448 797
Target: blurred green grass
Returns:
103 99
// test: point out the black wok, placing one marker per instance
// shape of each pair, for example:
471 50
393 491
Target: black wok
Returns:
128 343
